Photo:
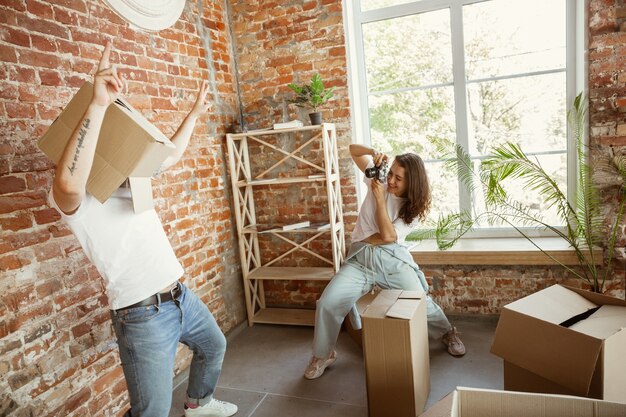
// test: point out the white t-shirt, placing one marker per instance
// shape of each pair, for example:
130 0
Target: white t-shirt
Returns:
131 251
366 224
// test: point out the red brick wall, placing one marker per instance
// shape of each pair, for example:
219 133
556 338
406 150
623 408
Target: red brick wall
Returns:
58 355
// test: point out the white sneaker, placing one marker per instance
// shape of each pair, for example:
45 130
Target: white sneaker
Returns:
215 408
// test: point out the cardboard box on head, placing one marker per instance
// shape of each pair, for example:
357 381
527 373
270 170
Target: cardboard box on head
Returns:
564 340
128 147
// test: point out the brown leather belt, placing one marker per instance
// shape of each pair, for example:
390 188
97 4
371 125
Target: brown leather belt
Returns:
157 298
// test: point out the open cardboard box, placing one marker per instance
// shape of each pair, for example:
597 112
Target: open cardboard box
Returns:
395 348
128 147
473 402
564 340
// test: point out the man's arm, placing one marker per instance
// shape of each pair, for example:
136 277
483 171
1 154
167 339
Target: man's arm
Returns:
183 134
73 170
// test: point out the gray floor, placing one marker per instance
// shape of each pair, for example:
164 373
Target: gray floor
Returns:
263 367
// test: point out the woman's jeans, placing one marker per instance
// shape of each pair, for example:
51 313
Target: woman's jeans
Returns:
387 266
148 337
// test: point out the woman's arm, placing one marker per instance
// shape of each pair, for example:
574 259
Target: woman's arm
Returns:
362 155
386 230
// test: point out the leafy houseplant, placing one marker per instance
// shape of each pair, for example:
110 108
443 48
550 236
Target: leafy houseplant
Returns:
312 95
583 220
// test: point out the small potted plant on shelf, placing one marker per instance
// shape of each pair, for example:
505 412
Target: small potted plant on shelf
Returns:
312 95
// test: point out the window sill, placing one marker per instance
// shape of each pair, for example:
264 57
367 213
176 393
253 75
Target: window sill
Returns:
498 251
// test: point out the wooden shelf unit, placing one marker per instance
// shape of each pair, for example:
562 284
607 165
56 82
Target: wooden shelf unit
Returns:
243 183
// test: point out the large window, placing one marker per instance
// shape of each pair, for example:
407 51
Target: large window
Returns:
433 74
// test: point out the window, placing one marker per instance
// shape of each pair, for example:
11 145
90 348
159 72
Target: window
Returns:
432 74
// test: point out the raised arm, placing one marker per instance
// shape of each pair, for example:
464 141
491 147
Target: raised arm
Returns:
72 172
387 233
183 134
362 155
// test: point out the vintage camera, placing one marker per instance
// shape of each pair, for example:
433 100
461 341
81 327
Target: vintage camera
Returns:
378 173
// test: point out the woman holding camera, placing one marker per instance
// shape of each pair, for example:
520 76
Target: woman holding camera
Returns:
376 257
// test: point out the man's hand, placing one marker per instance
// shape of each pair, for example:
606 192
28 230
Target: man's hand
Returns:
107 83
201 105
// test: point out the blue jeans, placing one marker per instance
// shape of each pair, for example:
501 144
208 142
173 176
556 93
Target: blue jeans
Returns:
387 266
148 337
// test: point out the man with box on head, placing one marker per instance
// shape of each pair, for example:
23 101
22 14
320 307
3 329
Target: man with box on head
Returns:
151 310
396 202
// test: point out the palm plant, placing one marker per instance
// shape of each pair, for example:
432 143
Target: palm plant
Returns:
584 223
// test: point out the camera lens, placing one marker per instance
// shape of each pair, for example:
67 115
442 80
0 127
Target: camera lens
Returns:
371 172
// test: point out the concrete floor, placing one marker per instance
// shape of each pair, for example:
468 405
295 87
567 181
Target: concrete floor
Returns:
263 368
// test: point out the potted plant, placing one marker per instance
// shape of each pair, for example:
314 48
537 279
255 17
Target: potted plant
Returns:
312 95
583 220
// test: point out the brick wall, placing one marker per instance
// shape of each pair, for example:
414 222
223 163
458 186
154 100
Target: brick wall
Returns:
58 355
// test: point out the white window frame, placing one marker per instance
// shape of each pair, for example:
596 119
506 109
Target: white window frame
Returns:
576 80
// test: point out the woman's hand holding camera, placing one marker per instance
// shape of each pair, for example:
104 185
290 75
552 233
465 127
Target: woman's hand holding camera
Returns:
378 158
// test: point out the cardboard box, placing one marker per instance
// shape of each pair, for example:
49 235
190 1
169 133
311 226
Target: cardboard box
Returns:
564 340
472 402
128 147
395 347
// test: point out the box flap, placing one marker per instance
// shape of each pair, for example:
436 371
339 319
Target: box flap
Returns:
403 309
554 304
103 179
53 142
412 295
379 306
614 386
141 191
603 323
599 299
138 118
150 161
546 349
393 303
